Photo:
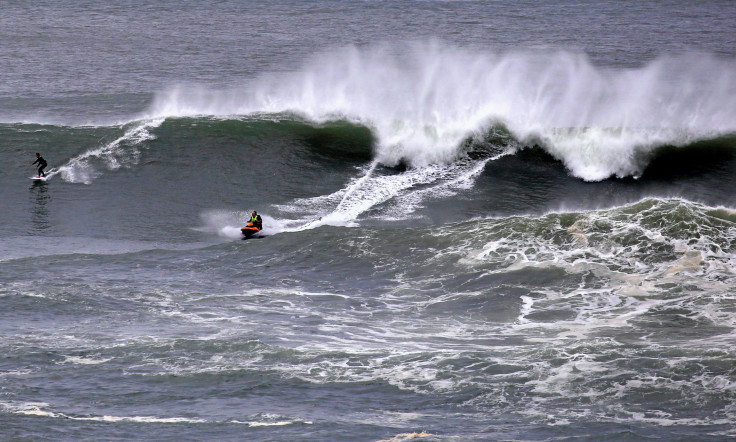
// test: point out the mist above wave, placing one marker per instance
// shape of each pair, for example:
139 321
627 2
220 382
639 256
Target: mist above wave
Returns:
422 101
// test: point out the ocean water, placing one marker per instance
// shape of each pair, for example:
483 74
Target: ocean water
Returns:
482 220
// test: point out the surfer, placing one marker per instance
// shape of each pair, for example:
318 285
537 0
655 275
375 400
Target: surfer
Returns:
255 219
41 164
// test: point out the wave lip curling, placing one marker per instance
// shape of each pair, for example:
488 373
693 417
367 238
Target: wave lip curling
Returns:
424 100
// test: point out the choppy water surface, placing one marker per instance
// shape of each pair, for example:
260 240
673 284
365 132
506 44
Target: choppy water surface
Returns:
482 221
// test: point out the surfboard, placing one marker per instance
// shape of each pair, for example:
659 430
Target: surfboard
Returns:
39 178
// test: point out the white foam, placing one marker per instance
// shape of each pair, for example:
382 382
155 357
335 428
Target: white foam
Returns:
408 436
401 193
38 409
363 193
227 224
271 424
113 155
10 373
422 101
79 360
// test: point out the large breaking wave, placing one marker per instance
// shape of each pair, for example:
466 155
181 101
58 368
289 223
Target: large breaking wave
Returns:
423 102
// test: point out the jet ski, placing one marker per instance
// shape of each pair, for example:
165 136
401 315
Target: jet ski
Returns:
249 230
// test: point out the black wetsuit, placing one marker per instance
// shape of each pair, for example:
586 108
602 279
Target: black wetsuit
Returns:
41 165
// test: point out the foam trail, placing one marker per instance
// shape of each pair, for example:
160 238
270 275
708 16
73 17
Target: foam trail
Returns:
81 169
464 178
423 101
227 224
346 210
371 190
362 194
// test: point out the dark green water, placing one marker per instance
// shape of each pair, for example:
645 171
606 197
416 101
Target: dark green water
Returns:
482 221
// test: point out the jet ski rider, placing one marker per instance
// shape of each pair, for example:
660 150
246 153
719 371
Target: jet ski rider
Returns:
255 220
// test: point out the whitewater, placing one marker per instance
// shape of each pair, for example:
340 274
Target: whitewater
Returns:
423 104
481 221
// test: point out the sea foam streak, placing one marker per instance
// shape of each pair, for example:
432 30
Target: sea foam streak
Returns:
81 169
39 409
422 102
362 194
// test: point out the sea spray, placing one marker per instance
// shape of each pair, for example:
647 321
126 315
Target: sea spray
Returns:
424 100
227 224
112 155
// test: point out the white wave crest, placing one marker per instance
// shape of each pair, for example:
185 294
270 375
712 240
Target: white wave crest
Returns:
423 101
84 168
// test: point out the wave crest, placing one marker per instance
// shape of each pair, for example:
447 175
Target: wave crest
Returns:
422 101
